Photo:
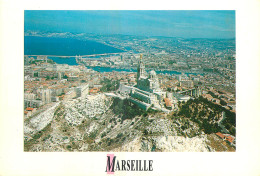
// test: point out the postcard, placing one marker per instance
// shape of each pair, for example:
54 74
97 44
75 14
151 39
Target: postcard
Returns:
128 92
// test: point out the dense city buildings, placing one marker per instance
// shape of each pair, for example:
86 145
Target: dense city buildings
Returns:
154 90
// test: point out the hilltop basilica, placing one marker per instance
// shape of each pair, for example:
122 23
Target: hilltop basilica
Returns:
146 93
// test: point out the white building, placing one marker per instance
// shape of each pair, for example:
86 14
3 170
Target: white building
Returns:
82 91
46 95
146 92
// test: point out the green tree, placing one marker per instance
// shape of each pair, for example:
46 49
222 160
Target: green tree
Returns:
223 103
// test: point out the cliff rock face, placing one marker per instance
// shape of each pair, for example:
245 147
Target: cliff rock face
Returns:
167 144
92 124
79 109
39 121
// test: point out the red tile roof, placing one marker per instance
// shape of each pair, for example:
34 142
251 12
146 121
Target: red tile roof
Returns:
94 90
167 102
29 109
230 139
220 135
225 137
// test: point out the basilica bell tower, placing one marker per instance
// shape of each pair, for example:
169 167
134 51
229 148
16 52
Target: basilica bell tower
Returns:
140 68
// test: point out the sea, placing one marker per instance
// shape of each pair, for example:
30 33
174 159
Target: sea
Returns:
55 47
64 46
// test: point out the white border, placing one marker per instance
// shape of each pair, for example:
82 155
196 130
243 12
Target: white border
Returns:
245 161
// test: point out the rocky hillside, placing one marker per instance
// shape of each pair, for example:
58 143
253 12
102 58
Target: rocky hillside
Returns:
100 123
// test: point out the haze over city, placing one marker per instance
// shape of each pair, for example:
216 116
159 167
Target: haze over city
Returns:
182 23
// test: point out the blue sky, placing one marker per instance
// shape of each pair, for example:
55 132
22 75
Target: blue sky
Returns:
174 23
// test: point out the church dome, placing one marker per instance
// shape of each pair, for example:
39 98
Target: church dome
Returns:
152 73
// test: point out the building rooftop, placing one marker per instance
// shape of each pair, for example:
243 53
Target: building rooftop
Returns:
29 109
167 102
